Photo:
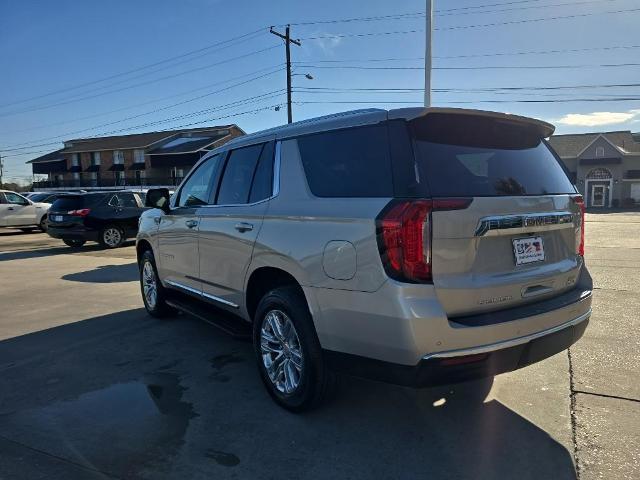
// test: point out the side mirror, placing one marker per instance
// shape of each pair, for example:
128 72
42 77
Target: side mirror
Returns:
158 198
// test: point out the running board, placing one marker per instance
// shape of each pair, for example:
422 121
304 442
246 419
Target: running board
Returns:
233 326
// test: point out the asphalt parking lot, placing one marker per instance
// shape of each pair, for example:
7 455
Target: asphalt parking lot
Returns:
91 387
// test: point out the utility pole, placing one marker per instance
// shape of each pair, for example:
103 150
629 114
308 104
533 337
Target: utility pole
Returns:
428 53
287 43
1 172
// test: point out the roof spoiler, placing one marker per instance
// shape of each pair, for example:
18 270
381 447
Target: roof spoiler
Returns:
542 129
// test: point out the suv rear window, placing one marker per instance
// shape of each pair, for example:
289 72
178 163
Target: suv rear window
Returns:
76 202
486 158
348 163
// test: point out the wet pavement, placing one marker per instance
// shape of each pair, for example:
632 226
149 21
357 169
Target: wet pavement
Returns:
92 387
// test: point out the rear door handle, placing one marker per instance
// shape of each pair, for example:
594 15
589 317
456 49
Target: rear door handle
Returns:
191 223
10 208
243 227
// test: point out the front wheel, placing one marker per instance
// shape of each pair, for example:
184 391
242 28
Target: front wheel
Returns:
111 237
43 223
73 242
153 293
288 352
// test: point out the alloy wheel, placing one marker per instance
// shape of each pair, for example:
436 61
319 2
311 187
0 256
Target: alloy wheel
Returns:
281 351
149 285
112 237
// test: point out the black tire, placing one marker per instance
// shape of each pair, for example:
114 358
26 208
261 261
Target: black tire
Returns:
160 309
74 242
43 223
111 236
316 381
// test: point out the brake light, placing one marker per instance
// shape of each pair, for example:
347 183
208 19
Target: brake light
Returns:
578 200
83 212
404 236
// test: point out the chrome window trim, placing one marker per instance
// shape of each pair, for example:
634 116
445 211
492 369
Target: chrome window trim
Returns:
508 343
524 223
201 293
274 191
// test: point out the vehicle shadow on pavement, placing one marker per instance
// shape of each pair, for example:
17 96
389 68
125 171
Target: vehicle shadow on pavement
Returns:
131 396
11 233
46 252
106 274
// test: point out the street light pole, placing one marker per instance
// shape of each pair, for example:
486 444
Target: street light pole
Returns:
428 53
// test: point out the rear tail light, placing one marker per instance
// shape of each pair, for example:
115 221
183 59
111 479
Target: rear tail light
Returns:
578 200
83 212
404 236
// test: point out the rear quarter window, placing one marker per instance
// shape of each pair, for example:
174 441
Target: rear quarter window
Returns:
352 162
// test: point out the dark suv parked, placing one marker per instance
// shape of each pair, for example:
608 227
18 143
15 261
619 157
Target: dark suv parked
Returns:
105 217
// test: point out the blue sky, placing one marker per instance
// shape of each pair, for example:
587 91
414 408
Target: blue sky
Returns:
50 47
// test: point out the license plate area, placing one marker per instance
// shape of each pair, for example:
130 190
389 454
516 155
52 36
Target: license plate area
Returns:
528 250
57 218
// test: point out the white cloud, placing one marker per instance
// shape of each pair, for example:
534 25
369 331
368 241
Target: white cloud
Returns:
328 43
595 119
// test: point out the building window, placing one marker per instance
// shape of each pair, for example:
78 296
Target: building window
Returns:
95 158
599 151
599 174
118 157
138 156
139 177
119 177
75 161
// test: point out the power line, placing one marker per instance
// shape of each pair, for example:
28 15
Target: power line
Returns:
450 12
155 80
543 19
9 148
128 107
391 102
242 102
470 90
177 127
478 55
461 27
483 67
243 37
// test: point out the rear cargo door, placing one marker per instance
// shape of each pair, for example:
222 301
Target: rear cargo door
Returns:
516 242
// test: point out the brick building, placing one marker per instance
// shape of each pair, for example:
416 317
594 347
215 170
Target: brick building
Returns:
138 160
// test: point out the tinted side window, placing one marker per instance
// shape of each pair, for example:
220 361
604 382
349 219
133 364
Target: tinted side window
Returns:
262 186
127 200
348 163
238 175
2 200
15 199
197 190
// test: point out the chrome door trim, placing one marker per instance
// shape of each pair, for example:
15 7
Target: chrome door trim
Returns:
508 343
219 300
525 223
183 287
201 293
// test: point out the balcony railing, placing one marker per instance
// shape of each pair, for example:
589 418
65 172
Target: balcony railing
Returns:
111 182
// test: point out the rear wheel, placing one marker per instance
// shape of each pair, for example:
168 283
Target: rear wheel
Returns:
288 351
74 242
153 293
111 236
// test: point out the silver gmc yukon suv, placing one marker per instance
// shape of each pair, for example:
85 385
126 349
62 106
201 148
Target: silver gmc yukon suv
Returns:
417 246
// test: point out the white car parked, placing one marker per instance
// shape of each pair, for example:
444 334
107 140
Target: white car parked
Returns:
20 212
